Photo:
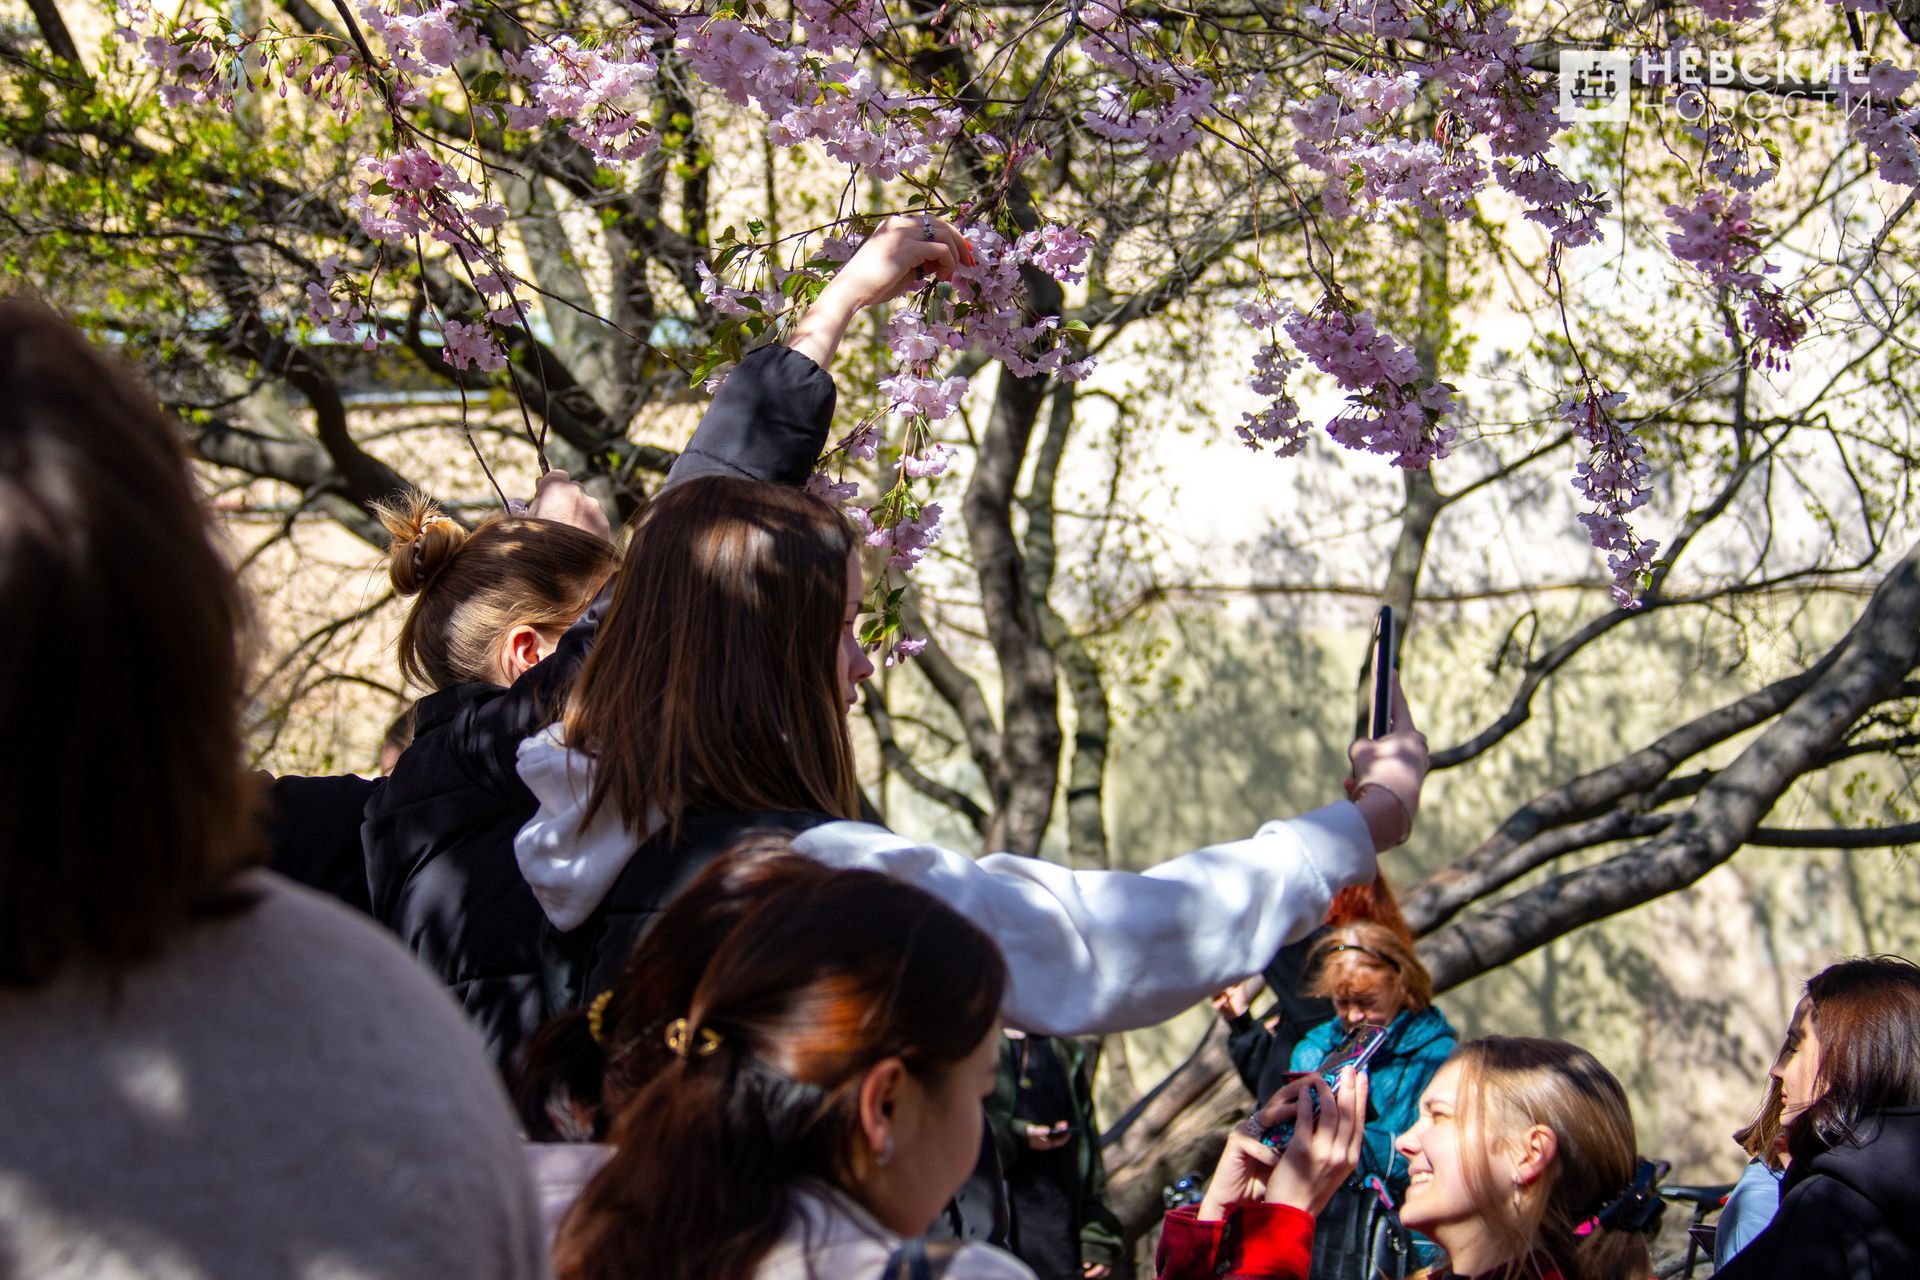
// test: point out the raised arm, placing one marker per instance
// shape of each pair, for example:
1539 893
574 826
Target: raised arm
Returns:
1092 952
769 420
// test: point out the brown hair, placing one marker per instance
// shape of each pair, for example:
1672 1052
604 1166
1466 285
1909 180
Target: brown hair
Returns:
475 587
1761 1136
570 1082
1508 1084
815 985
1365 955
124 812
714 681
1866 1015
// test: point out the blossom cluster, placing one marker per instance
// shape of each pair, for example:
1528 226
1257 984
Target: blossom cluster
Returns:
1155 101
1717 236
1390 410
410 193
596 93
1615 478
841 105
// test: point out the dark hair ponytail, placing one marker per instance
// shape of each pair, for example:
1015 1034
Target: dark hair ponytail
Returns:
820 980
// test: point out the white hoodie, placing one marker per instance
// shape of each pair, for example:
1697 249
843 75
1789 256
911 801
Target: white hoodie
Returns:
1088 952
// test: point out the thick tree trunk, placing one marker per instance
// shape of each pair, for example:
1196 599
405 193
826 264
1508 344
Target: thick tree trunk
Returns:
1030 736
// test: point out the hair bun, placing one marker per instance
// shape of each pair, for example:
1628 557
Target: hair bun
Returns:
424 540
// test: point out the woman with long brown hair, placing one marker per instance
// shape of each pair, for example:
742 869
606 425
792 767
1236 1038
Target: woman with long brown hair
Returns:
503 617
716 701
1850 1091
1524 1167
207 1070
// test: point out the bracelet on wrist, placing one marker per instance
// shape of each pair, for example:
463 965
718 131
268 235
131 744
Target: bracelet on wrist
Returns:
1406 813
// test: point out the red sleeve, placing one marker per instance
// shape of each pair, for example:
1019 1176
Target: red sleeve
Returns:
1276 1242
1255 1242
1189 1248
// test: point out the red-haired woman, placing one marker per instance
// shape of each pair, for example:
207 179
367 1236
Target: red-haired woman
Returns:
1850 1091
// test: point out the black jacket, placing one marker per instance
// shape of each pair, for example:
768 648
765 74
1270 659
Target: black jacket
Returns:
582 962
438 838
1849 1213
313 829
1260 1056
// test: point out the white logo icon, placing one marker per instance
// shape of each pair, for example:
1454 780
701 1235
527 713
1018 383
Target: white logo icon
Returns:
1594 85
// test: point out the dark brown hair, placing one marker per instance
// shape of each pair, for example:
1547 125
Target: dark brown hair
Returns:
1507 1085
123 810
473 588
569 1084
714 681
817 983
1866 1016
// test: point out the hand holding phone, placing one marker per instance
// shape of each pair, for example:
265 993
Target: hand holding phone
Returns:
1376 719
1358 1049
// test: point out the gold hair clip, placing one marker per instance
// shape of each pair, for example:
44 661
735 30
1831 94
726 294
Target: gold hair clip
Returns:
597 1017
687 1041
438 517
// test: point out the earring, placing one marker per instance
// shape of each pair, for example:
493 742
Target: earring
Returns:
885 1157
1516 1195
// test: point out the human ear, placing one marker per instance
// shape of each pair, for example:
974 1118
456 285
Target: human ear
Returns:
879 1096
520 649
1533 1153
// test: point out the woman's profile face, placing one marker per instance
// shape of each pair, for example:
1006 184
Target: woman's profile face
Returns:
939 1121
1798 1066
1437 1191
855 666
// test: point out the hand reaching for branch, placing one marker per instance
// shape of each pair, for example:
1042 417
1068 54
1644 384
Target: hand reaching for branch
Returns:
900 256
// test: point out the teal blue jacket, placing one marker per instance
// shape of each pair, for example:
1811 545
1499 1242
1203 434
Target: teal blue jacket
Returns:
1418 1043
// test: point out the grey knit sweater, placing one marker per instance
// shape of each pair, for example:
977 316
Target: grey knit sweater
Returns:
282 1094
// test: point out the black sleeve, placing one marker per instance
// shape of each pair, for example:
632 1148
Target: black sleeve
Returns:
314 826
1249 1044
768 421
488 734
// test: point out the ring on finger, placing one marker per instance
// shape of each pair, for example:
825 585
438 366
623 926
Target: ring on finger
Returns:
926 227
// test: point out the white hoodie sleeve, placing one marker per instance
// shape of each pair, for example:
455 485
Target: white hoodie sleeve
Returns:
1092 952
1089 951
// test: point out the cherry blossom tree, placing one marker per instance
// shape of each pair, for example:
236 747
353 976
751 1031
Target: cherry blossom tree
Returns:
574 215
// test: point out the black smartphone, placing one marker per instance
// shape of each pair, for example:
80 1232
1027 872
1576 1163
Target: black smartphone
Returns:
1355 1051
1375 718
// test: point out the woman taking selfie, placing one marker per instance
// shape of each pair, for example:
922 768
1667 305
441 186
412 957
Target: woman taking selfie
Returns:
1523 1166
1850 1093
716 702
207 1070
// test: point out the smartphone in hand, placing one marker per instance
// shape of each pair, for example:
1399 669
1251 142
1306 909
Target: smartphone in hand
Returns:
1375 719
1355 1051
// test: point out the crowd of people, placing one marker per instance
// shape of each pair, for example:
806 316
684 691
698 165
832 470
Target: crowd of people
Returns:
611 974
